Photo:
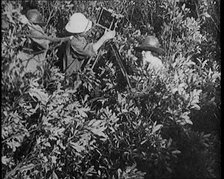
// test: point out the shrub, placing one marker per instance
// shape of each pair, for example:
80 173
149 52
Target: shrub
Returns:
92 125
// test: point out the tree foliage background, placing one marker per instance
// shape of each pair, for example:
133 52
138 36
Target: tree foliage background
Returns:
91 125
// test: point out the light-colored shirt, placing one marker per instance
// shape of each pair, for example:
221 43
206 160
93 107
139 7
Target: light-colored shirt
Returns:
36 30
154 63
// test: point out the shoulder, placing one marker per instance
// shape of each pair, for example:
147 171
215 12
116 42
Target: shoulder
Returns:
36 30
156 61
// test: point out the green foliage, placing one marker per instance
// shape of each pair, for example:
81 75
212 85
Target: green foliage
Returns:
90 125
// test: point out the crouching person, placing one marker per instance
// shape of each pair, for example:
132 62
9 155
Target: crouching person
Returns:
151 52
78 49
34 53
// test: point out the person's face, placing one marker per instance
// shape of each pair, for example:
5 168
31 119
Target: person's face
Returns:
146 54
83 34
86 33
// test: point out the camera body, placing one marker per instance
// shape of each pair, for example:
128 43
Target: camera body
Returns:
108 19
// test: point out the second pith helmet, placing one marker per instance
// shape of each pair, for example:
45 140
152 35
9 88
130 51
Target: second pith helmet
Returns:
151 43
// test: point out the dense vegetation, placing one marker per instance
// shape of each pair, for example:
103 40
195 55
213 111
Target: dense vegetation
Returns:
91 125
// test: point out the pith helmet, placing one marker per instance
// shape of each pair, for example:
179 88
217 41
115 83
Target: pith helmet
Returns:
34 16
78 23
150 43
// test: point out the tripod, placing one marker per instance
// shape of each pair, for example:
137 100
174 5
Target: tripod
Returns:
119 61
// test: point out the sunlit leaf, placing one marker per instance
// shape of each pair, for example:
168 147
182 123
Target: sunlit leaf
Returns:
77 147
39 94
53 159
156 128
54 175
176 152
27 167
99 132
5 160
196 107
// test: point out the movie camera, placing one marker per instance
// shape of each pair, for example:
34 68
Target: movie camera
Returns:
108 19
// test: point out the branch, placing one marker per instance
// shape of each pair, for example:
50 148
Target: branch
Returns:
50 16
19 166
19 133
12 172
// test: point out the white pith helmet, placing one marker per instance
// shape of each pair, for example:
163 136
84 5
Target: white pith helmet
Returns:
78 23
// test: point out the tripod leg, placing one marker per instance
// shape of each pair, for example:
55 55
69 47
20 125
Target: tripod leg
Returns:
118 58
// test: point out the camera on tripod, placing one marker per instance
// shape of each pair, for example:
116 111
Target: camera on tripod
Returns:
108 19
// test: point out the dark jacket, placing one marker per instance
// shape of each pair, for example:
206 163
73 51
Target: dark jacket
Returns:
77 51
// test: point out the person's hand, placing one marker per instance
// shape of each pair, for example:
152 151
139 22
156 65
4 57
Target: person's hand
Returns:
108 34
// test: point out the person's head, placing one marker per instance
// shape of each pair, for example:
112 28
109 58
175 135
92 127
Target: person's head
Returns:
150 47
78 24
35 17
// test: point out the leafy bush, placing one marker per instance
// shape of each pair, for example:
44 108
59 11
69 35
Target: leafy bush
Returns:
92 125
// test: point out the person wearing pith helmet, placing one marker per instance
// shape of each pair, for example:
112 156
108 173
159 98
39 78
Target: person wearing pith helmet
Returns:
78 49
151 50
34 51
